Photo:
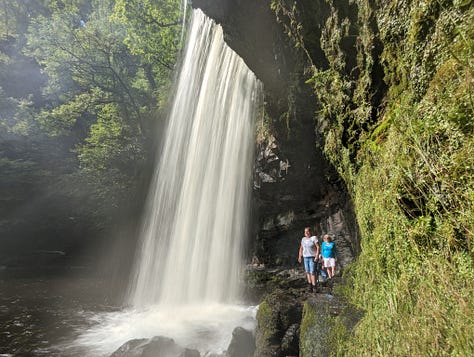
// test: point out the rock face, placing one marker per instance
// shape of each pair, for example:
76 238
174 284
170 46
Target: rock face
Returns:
278 320
291 321
294 185
242 343
322 314
250 30
315 328
157 346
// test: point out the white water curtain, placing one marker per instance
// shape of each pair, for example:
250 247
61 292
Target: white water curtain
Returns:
197 212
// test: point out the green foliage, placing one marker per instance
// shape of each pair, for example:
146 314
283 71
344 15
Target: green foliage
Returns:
153 33
83 119
413 197
15 16
78 57
287 13
62 119
106 154
104 139
404 148
102 87
10 113
263 127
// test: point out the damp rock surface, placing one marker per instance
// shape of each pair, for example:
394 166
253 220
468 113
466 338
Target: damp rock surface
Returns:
242 343
157 346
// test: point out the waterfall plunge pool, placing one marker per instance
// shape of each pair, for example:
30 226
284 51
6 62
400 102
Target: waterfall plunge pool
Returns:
71 317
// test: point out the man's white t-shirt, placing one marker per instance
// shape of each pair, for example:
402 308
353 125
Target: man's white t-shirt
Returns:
309 246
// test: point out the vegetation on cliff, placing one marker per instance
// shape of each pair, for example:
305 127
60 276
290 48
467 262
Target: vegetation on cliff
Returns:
394 83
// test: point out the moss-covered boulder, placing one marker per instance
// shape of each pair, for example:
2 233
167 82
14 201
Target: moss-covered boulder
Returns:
278 321
315 328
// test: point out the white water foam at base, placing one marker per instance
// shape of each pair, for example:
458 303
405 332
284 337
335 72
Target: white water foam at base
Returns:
207 328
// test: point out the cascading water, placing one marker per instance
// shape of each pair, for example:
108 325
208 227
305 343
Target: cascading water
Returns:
186 278
197 211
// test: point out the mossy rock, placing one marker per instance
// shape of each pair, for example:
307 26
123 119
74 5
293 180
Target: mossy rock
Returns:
278 320
260 282
315 328
343 327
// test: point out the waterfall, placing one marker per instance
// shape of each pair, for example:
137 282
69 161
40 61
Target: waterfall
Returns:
196 217
185 280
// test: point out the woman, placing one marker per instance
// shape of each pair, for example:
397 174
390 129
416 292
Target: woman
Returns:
309 251
328 251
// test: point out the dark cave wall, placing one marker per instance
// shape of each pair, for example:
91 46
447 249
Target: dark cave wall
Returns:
294 184
250 29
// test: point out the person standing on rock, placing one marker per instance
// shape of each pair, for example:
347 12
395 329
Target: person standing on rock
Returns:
309 253
328 252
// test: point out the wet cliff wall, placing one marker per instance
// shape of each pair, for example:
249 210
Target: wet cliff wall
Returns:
294 184
377 94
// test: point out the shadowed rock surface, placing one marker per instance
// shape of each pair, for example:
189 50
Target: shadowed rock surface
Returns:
294 184
242 343
157 346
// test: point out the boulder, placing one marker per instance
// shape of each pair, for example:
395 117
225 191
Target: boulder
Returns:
157 346
278 319
315 327
242 343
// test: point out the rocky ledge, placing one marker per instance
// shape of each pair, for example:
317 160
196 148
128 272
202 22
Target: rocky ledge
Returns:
292 321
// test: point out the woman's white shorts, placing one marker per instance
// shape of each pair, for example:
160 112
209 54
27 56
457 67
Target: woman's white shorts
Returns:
329 262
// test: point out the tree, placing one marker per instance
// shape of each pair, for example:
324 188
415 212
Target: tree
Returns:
15 16
153 33
95 86
82 82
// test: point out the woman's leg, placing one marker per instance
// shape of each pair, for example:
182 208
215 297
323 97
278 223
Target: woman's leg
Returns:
332 264
328 268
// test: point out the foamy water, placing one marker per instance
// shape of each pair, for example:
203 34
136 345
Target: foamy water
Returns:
205 328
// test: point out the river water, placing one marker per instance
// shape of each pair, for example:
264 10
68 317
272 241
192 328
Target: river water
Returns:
41 311
72 316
